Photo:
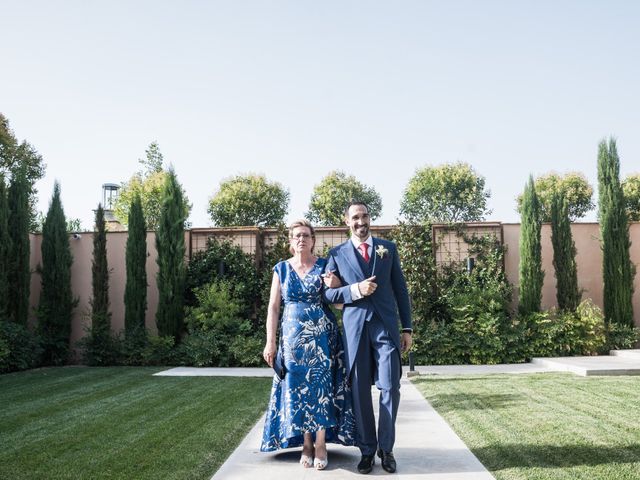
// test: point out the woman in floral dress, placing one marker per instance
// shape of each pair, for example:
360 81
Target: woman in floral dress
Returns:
311 405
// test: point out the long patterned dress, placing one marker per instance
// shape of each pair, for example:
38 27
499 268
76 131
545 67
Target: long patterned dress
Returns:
314 393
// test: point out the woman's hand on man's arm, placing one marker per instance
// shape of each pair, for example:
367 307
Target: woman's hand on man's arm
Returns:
331 280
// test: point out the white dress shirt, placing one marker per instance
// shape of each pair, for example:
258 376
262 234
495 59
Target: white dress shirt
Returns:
355 291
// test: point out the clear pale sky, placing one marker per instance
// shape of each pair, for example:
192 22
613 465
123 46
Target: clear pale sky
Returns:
295 89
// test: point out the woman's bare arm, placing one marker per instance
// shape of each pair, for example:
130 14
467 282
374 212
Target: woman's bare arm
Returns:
273 316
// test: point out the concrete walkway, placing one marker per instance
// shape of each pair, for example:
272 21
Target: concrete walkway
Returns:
620 362
426 448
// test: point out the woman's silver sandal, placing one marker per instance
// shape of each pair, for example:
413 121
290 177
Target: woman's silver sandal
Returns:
320 463
306 461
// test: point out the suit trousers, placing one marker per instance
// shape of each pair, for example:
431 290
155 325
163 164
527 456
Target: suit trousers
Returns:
377 361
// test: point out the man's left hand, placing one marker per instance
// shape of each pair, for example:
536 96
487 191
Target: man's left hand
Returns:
406 341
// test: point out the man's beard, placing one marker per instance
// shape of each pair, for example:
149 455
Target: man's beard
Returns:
361 232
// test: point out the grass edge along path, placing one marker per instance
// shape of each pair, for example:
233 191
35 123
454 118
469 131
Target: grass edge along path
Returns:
544 426
122 422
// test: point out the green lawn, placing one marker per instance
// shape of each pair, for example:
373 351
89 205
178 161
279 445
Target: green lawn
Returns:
544 426
103 423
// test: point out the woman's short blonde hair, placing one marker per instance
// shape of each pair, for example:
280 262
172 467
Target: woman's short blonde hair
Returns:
303 222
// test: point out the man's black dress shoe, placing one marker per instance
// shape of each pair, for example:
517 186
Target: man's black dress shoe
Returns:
388 461
366 463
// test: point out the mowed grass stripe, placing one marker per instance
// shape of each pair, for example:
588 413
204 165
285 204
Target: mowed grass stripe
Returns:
596 415
125 423
58 381
544 426
81 401
473 407
80 384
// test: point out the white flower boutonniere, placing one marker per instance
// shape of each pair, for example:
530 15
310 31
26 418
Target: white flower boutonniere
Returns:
381 251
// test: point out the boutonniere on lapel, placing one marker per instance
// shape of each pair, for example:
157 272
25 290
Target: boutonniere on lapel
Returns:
381 251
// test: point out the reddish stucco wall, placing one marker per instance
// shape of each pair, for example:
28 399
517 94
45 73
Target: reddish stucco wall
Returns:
588 258
586 237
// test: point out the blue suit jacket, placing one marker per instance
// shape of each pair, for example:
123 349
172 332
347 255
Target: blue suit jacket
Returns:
390 301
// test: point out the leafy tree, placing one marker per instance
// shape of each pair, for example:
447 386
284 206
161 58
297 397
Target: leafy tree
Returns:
568 294
249 200
14 156
531 275
5 243
148 184
56 299
334 192
573 186
135 293
100 316
171 255
617 270
447 193
73 224
631 191
153 160
19 269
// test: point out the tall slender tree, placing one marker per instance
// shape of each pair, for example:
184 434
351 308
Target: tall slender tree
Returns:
19 269
56 298
531 274
568 294
135 293
171 253
617 270
100 315
5 243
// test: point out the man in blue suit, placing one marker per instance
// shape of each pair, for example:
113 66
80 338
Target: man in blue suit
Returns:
375 296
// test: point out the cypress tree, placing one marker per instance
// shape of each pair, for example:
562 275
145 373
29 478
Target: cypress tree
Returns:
568 294
56 299
531 274
19 269
135 293
171 253
100 316
5 240
617 270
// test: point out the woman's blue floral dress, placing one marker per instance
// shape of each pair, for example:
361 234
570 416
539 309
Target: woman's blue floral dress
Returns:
314 393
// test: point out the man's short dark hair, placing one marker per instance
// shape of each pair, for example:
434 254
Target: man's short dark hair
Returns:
352 203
